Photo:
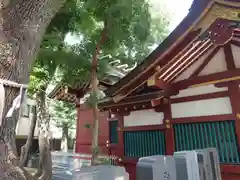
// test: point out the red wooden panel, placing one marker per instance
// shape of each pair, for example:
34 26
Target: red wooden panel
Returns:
131 169
84 134
85 149
103 127
113 149
103 149
226 176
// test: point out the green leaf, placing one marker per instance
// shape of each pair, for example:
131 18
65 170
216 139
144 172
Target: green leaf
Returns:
88 126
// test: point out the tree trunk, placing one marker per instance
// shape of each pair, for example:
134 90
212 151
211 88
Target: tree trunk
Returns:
65 138
22 26
25 150
45 156
45 165
9 135
94 82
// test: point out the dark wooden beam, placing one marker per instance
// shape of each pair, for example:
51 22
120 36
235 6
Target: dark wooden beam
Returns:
226 84
236 35
133 99
209 79
229 57
205 62
105 84
145 128
126 109
202 119
200 97
234 42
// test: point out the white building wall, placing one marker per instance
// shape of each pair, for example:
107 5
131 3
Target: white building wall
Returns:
143 117
199 90
206 107
236 54
23 127
217 106
24 123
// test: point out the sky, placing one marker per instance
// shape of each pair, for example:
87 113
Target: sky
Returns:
177 9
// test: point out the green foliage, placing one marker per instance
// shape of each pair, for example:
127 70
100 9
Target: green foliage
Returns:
93 99
131 32
63 114
96 150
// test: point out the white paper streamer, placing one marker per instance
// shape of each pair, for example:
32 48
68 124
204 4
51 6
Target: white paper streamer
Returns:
15 105
2 99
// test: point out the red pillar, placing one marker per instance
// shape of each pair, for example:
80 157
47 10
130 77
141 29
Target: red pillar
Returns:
78 106
234 94
120 152
169 133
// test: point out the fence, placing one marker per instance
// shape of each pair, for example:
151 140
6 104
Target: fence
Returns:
187 136
144 143
220 135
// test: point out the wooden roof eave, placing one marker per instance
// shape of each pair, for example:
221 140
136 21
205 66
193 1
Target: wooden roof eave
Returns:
136 99
174 40
65 93
131 100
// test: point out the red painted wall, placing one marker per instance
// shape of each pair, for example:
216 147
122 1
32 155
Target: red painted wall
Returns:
84 134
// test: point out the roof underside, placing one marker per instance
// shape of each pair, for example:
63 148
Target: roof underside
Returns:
210 28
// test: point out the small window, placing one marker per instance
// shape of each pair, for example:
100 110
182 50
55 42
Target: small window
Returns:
113 132
25 110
